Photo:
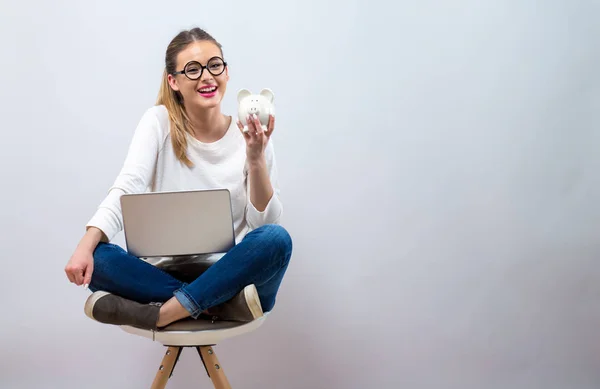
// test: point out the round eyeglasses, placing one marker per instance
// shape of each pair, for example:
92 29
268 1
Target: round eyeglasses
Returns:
194 69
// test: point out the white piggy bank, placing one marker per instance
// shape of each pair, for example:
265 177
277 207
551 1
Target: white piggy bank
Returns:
260 105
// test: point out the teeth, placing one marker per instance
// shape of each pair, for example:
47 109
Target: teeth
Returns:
206 90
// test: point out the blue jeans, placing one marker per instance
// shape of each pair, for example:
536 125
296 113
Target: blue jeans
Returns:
261 258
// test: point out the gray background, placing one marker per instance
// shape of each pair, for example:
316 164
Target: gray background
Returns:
439 168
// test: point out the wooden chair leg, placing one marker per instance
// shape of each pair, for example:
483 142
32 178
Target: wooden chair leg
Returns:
166 368
213 367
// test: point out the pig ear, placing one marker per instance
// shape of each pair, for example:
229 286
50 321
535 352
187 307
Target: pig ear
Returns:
242 94
268 94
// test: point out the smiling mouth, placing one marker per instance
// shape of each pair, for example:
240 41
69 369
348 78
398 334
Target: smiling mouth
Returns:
207 90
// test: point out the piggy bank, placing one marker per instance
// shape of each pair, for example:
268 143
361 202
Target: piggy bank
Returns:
260 105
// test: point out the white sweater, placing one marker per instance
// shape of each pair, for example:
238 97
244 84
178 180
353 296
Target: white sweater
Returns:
151 165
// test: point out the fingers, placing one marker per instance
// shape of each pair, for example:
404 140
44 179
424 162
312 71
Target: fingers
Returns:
88 276
252 129
271 125
258 127
75 274
251 125
79 269
69 274
241 127
255 132
78 277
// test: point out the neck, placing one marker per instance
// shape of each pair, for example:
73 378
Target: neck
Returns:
208 125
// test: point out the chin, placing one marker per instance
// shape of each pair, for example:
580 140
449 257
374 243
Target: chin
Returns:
195 104
212 103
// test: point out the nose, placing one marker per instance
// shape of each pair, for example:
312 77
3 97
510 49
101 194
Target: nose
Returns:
206 76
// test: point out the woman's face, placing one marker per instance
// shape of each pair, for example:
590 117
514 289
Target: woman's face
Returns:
207 89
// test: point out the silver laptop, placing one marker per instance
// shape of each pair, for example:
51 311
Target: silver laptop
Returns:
179 223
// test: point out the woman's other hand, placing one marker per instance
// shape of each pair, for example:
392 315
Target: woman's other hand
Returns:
256 138
80 267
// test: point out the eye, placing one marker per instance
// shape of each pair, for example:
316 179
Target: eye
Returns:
193 68
215 64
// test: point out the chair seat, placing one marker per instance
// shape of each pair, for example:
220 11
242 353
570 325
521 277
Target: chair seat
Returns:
197 332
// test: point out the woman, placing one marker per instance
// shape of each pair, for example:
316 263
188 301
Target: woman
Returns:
185 142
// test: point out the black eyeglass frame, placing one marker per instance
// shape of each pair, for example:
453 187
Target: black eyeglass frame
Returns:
202 67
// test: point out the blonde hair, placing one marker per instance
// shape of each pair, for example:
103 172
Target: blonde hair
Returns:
171 99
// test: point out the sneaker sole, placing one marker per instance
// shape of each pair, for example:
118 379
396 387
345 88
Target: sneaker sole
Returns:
89 304
253 301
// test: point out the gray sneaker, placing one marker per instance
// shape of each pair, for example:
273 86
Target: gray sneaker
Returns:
108 308
245 306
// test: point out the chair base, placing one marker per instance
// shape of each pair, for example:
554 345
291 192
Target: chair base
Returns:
214 370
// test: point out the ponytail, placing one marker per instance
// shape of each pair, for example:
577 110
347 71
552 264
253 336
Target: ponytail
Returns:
177 117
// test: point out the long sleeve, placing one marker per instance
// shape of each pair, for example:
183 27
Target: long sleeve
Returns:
135 175
273 211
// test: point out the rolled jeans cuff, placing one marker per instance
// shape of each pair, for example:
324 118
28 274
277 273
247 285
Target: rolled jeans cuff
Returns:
188 303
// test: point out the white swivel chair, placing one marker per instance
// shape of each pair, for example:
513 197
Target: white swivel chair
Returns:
199 334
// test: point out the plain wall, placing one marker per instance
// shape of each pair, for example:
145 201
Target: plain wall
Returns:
438 165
